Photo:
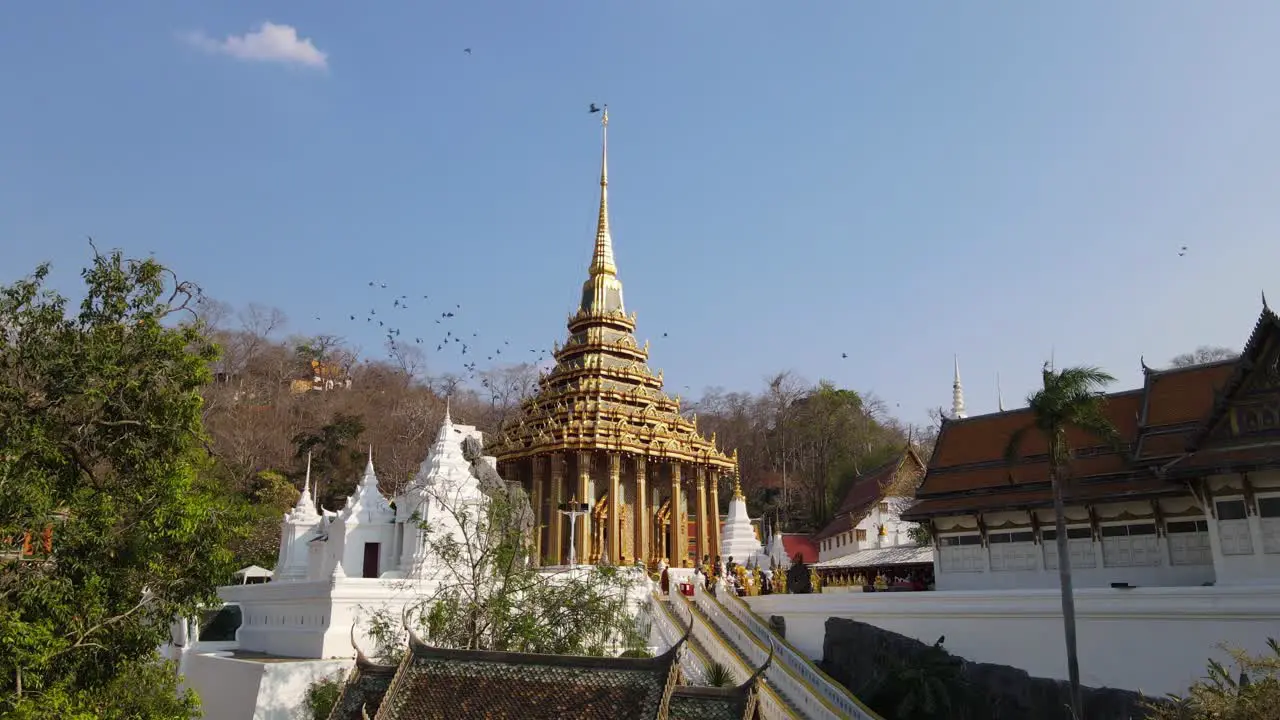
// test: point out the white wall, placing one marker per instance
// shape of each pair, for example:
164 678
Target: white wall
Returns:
233 689
314 619
1156 640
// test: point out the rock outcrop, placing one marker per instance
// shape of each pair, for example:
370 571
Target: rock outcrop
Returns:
883 668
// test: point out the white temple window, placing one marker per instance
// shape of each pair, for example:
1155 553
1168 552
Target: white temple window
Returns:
1189 542
962 553
1233 528
1079 548
1013 551
1269 516
1130 545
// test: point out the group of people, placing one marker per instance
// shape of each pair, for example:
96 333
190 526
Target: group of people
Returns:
736 578
880 581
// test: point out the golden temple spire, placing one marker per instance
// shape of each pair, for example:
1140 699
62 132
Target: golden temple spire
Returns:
602 293
602 258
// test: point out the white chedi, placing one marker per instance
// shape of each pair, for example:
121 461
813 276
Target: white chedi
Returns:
443 487
296 533
738 538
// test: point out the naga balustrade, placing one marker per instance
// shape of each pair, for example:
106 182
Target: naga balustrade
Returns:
671 633
808 688
773 705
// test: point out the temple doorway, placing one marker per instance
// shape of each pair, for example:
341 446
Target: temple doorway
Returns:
371 552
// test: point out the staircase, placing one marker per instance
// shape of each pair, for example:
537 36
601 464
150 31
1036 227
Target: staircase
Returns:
727 632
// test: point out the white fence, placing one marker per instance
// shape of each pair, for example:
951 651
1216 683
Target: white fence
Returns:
1154 640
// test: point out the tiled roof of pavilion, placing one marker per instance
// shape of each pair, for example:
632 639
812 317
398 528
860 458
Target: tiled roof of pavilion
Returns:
706 703
1167 429
363 692
712 703
440 684
601 394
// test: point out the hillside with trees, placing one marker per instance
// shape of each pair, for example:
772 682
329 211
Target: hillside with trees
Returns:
277 396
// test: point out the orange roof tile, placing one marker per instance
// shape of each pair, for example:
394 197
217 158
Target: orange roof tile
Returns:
985 437
1156 421
1164 445
1185 394
1228 457
1038 497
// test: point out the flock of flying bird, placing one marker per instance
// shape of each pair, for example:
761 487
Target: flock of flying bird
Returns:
452 340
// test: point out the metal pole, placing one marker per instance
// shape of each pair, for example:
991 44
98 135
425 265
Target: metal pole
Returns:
573 530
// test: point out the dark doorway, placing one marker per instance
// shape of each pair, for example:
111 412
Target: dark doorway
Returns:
371 552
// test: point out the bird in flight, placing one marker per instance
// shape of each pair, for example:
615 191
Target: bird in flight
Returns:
844 355
467 50
1182 251
594 108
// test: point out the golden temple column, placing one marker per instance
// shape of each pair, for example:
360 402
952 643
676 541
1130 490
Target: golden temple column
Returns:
557 498
584 495
700 522
614 541
643 518
679 536
715 514
535 465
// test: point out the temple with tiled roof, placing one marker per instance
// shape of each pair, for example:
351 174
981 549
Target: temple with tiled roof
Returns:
602 431
1191 497
866 517
867 537
433 683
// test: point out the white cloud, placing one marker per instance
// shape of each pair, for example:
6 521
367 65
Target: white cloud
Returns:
269 43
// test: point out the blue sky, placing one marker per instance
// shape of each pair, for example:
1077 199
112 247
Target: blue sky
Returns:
788 181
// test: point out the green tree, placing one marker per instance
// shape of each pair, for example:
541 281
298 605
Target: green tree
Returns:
1250 691
271 495
1203 354
101 441
335 456
1070 398
321 696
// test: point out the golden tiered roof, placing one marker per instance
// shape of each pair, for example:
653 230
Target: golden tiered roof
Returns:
601 395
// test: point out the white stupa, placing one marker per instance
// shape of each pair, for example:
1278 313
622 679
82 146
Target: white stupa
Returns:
738 539
777 551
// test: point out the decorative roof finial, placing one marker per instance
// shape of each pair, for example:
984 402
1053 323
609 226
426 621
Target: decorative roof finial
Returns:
957 394
999 394
602 259
448 416
1265 307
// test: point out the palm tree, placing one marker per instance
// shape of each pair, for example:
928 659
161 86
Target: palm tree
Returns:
1070 398
719 675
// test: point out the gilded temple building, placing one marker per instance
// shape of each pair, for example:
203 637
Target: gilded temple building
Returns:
601 431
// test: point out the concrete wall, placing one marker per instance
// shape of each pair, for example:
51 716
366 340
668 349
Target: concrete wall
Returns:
232 689
1156 640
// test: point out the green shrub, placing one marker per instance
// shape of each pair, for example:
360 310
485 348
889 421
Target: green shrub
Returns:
1250 691
321 696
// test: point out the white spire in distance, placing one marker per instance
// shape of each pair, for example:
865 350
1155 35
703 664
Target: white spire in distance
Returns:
957 394
999 394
